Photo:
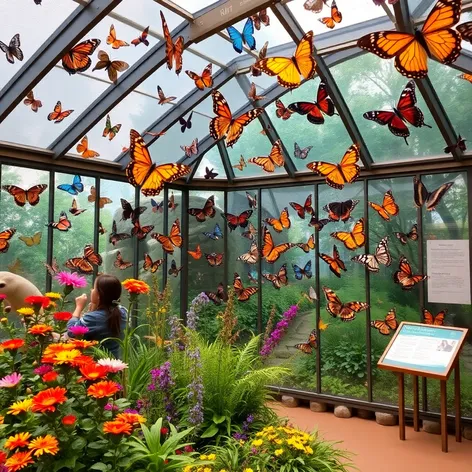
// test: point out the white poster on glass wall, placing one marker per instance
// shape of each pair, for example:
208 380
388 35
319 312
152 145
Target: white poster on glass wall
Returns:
448 271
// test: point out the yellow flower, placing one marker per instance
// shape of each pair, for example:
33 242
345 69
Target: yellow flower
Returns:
4 320
257 442
53 295
203 457
308 450
248 469
21 406
279 441
223 470
207 469
44 445
25 311
187 468
278 452
211 457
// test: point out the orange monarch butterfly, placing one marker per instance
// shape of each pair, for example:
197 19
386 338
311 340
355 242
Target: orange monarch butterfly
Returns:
289 69
84 151
345 311
112 67
34 240
109 130
142 172
270 251
352 239
465 29
113 41
262 54
202 81
309 245
58 115
84 264
93 197
302 210
282 111
337 175
404 237
141 231
241 165
116 237
63 224
336 265
467 77
273 160
250 257
243 294
224 124
174 238
22 197
340 211
430 199
430 319
119 263
411 51
234 221
373 261
162 98
310 345
30 101
130 213
197 254
250 233
214 259
75 210
208 210
219 296
252 94
173 50
388 324
404 275
78 58
142 38
336 17
283 222
174 270
460 144
388 208
150 265
278 279
5 237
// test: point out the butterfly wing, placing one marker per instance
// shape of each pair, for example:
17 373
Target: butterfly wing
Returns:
354 239
340 211
404 276
324 102
78 58
243 294
465 29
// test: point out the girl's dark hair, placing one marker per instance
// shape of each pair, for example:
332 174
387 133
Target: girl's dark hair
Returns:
109 293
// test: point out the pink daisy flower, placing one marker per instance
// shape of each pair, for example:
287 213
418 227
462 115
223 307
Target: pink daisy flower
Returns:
11 380
78 330
68 278
113 365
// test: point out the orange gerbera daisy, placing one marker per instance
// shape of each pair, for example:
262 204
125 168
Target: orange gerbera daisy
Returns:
132 418
82 360
17 440
53 349
102 389
19 461
135 286
117 427
93 371
48 399
44 445
82 343
12 344
40 329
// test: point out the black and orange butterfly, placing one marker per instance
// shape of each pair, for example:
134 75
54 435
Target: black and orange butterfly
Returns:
465 29
219 296
270 251
78 58
343 311
336 265
250 257
115 237
143 172
102 200
192 149
352 239
336 17
5 237
63 224
430 199
373 261
314 110
109 130
202 81
173 240
84 264
30 101
340 211
174 50
197 254
283 222
404 275
129 212
208 210
317 223
430 319
289 69
214 259
140 231
22 197
261 18
250 233
113 41
58 115
224 124
119 263
460 144
162 99
388 208
310 345
112 67
309 245
13 49
142 38
234 221
388 324
467 77
150 265
411 51
74 210
241 164
338 175
174 270
273 160
84 151
282 111
243 294
278 279
262 54
404 237
307 207
252 200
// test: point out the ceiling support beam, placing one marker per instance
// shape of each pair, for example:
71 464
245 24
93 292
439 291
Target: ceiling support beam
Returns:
78 24
226 161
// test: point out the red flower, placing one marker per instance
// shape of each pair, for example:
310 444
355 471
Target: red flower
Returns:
12 344
50 376
38 301
188 448
104 388
3 454
62 316
164 430
48 399
69 420
93 371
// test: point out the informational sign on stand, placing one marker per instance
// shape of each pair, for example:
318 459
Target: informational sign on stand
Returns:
448 271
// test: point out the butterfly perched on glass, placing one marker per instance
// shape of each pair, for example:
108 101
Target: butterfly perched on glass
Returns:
273 160
121 264
57 115
340 211
63 224
241 164
171 204
250 233
34 240
311 296
215 234
109 130
262 54
102 200
300 153
84 151
192 149
243 293
13 50
225 124
270 251
214 259
411 51
78 58
282 111
338 175
404 275
430 319
252 94
252 200
301 272
115 237
388 324
278 279
75 188
157 207
84 264
185 123
32 102
113 41
459 144
310 345
254 278
245 37
143 172
174 50
315 6
308 246
162 99
317 223
343 311
260 18
173 240
234 221
336 265
75 210
174 270
430 199
21 197
140 231
352 239
283 222
101 229
412 235
142 38
307 207
112 67
5 237
209 174
129 212
52 268
219 296
336 16
202 81
388 208
373 261
150 265
197 254
250 257
208 210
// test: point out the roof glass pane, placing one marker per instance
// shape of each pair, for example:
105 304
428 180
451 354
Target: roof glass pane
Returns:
234 94
217 47
369 83
211 161
329 140
194 6
35 24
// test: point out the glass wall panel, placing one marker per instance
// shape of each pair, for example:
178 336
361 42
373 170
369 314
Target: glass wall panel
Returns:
211 161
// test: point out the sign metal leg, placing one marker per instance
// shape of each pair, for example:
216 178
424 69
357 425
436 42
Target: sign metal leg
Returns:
416 404
444 415
457 401
401 405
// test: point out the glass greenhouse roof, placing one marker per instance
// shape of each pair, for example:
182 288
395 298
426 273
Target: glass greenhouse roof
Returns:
358 82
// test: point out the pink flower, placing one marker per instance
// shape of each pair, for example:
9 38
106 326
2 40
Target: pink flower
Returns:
78 330
2 297
11 380
74 280
113 365
42 369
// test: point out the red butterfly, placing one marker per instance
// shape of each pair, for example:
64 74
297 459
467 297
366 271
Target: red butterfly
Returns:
214 259
302 210
141 231
282 111
142 38
237 220
63 224
208 210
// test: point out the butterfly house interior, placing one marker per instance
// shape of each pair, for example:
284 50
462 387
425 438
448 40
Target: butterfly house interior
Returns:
256 159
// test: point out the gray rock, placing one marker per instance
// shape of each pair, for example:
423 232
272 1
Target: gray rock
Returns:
290 402
432 427
318 407
365 414
342 411
467 432
386 419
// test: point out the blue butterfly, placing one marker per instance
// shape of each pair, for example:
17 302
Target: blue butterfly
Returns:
306 271
246 37
215 234
157 207
74 188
